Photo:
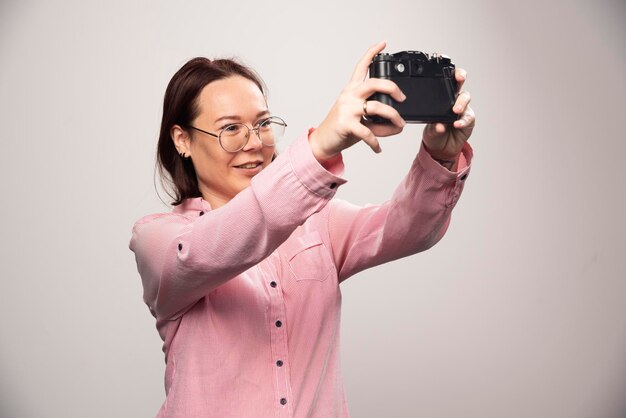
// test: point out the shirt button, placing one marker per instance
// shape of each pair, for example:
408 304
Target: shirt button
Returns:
201 213
279 363
279 324
273 284
283 401
333 185
180 247
463 177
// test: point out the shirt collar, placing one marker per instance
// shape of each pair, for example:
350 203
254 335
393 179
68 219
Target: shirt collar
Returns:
192 206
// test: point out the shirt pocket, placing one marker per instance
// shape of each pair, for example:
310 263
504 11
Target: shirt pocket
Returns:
309 259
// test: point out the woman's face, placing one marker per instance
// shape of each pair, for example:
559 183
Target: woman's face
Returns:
221 174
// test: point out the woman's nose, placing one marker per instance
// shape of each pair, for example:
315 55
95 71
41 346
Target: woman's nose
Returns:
254 142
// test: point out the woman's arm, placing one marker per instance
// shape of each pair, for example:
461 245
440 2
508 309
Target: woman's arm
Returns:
180 260
419 212
414 220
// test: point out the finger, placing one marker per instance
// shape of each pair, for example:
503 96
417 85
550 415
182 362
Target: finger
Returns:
378 85
467 120
363 65
363 132
381 130
462 101
460 75
434 129
380 109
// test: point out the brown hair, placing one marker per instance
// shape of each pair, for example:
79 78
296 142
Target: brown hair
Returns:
180 107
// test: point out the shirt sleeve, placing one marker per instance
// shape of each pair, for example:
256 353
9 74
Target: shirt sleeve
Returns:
415 219
181 260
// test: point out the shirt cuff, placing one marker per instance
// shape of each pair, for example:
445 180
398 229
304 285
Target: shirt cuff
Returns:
323 180
432 166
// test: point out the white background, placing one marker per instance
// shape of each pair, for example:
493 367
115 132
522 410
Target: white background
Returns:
518 312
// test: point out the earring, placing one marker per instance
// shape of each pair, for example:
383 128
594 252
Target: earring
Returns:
184 157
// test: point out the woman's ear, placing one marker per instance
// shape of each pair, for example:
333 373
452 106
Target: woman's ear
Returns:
181 140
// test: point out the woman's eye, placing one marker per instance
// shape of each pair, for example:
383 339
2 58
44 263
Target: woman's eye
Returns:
265 124
231 128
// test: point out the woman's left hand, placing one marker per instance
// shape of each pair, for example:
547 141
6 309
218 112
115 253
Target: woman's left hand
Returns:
445 142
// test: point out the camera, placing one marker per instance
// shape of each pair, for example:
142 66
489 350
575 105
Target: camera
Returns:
427 81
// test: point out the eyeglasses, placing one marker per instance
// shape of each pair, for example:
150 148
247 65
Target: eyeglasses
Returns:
234 137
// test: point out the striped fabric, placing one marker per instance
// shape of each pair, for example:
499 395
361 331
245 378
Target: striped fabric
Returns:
246 297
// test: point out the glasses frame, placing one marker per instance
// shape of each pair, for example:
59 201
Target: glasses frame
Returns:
279 120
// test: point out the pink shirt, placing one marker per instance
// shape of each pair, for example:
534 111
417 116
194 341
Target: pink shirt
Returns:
246 297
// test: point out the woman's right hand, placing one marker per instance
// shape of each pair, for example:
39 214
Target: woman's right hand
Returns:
343 125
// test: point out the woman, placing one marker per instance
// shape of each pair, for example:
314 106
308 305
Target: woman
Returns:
243 275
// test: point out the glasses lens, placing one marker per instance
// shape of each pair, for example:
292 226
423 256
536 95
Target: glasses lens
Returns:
271 130
233 137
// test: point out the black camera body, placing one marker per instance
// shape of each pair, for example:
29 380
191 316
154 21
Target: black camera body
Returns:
427 81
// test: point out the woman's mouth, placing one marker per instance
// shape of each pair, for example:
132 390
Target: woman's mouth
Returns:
248 165
250 168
